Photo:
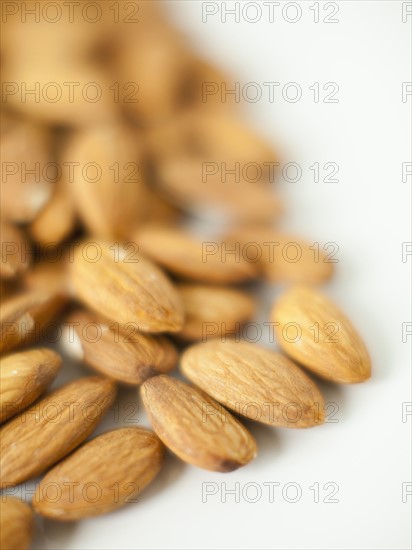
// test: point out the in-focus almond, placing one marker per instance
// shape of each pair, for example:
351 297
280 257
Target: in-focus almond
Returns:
254 382
324 340
24 377
48 430
195 427
119 463
135 293
130 358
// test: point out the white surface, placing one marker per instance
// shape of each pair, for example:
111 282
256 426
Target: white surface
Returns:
367 453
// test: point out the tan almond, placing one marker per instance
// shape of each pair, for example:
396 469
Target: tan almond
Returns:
15 251
126 290
113 201
190 258
57 219
47 431
49 275
130 358
25 318
24 377
213 310
196 428
315 332
199 186
16 524
282 257
116 466
254 382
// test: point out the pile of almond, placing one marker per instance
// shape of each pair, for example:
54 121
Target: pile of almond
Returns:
98 198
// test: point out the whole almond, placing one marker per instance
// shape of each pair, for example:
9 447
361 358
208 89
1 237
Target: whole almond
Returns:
16 524
190 258
47 431
282 257
195 427
212 310
317 334
15 251
131 292
24 377
26 317
254 382
130 359
117 465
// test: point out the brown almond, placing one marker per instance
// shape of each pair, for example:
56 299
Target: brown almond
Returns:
130 358
47 431
315 332
117 465
254 382
282 257
47 275
183 255
196 428
16 524
115 201
199 187
26 317
213 310
24 377
131 291
15 251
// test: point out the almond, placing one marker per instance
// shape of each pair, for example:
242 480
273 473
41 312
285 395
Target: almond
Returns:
134 293
48 276
115 466
24 377
213 310
195 427
126 358
254 382
16 524
321 337
15 251
25 318
282 257
47 431
183 255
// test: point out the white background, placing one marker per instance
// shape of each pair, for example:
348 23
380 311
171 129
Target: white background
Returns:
367 452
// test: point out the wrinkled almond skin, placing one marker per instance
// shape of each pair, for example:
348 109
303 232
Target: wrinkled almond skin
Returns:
254 382
128 359
24 318
190 258
47 431
119 464
196 428
24 377
283 257
326 341
16 524
15 251
135 292
213 310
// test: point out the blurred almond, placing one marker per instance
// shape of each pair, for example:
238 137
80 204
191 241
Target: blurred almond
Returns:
47 431
49 275
254 382
24 377
190 258
120 463
15 251
213 310
125 287
16 524
195 427
130 358
316 333
26 317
